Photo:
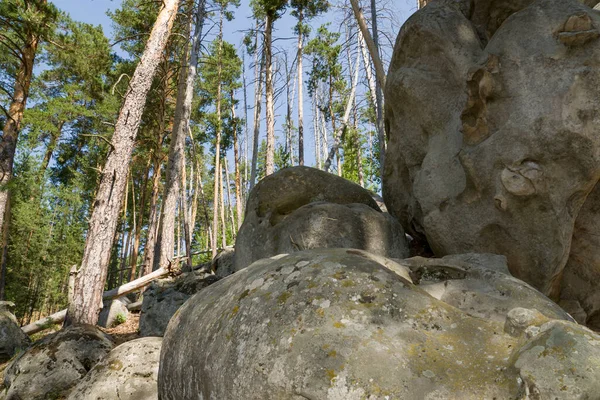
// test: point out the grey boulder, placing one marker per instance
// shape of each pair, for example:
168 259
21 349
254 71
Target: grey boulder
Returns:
111 310
495 149
303 208
343 324
164 297
51 367
12 338
128 372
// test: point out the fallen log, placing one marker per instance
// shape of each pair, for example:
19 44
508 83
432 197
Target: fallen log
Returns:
129 287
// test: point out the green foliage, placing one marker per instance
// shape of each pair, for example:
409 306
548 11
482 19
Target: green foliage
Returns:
119 319
268 8
304 11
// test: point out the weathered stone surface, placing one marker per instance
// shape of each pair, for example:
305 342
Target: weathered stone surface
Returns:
12 338
580 293
128 372
341 324
561 362
304 208
480 285
223 262
164 296
110 311
496 148
51 367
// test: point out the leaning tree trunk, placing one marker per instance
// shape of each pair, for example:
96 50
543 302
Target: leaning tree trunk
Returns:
269 94
373 46
183 110
89 283
8 144
236 166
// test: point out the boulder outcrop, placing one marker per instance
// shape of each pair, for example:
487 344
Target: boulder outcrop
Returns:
496 148
164 297
51 367
128 372
303 208
12 338
346 324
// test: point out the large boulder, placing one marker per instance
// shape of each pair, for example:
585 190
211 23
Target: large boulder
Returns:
12 338
345 324
303 208
480 285
51 367
164 297
580 294
496 148
128 372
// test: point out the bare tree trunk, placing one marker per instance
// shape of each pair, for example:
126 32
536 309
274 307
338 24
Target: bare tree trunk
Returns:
89 283
316 132
269 93
373 46
153 220
229 206
246 129
222 209
236 166
217 144
138 225
175 164
300 94
258 75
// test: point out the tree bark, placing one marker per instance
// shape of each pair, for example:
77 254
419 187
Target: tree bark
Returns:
300 93
217 143
89 283
236 166
258 74
222 208
269 93
183 109
138 225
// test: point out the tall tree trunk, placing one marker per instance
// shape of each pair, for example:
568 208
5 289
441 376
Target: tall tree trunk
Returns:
10 134
300 92
373 46
138 224
229 206
153 220
89 283
317 132
246 128
236 166
269 93
218 143
183 110
258 80
222 208
51 146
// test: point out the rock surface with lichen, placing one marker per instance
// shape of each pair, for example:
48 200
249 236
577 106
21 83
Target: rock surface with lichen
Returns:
52 366
344 324
12 338
303 208
128 372
496 149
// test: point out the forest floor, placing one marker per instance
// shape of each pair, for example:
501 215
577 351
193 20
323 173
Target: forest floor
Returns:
128 330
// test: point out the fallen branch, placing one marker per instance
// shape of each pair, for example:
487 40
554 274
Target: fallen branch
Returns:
132 286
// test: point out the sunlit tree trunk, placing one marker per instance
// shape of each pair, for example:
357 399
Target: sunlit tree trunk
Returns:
89 283
269 94
217 179
258 80
300 94
236 166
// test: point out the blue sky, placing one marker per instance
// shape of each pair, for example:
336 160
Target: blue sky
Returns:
394 12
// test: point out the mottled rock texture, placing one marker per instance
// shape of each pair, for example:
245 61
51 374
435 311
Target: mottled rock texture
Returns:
128 372
343 324
51 367
110 311
12 338
164 296
493 124
303 208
